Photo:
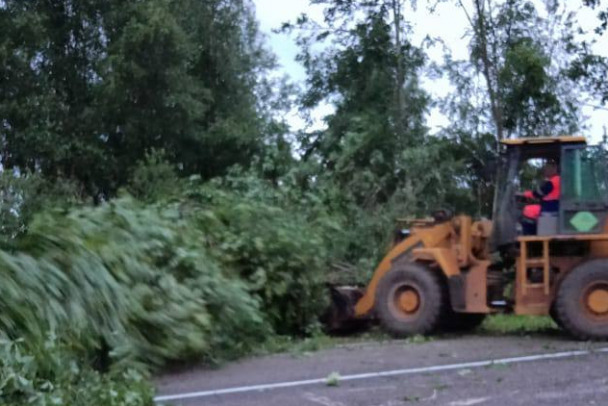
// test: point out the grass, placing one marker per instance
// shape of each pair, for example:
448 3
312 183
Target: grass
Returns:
494 325
333 379
305 346
301 346
507 324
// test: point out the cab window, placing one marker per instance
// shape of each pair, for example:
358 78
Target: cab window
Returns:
584 173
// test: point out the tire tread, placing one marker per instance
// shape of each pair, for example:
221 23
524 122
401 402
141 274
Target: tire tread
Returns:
434 302
568 313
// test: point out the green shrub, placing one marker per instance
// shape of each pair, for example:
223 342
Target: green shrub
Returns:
135 278
206 274
517 324
23 195
280 253
153 178
50 373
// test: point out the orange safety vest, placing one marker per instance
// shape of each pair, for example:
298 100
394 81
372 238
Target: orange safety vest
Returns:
532 211
555 193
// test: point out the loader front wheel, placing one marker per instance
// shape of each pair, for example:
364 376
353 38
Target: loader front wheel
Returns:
410 300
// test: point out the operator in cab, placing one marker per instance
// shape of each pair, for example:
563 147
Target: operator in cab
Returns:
548 192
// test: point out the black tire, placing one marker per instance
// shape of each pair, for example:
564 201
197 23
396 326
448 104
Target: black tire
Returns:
462 322
572 305
555 317
426 284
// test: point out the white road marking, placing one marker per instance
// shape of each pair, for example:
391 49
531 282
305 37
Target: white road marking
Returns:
373 388
321 400
370 375
392 403
469 402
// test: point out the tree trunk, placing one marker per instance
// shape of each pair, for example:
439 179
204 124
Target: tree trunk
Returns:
400 75
488 68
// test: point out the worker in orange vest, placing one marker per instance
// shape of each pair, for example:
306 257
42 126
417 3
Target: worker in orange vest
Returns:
548 192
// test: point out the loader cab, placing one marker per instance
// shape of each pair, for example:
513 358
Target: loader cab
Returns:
583 206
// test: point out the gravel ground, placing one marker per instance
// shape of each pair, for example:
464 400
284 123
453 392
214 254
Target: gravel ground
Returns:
572 381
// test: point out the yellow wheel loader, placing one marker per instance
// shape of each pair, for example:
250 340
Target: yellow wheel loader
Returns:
450 271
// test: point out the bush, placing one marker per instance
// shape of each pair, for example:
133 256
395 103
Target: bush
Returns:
23 195
134 278
153 178
50 373
208 273
282 254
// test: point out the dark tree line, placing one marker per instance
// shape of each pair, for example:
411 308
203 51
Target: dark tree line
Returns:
89 89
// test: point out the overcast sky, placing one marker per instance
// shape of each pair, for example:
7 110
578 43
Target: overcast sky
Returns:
447 22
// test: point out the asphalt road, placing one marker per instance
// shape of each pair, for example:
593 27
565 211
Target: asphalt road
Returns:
447 372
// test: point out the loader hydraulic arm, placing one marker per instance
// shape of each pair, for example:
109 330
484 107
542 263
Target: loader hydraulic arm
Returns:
421 237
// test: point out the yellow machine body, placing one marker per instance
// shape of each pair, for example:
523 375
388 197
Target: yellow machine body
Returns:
449 247
460 248
456 251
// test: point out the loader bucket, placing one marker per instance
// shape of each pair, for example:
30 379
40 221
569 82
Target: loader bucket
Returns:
340 316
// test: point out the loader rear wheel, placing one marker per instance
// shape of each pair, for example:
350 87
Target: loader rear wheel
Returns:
582 301
410 300
555 317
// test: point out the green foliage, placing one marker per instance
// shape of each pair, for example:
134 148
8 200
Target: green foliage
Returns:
375 161
208 274
418 339
23 195
153 178
333 379
526 86
275 246
50 373
202 273
510 324
88 88
590 70
379 104
135 278
521 57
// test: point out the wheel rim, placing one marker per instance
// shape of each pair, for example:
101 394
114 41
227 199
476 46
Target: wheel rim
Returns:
595 300
405 301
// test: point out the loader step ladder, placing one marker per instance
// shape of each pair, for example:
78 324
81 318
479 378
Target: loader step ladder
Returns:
544 260
535 298
534 262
